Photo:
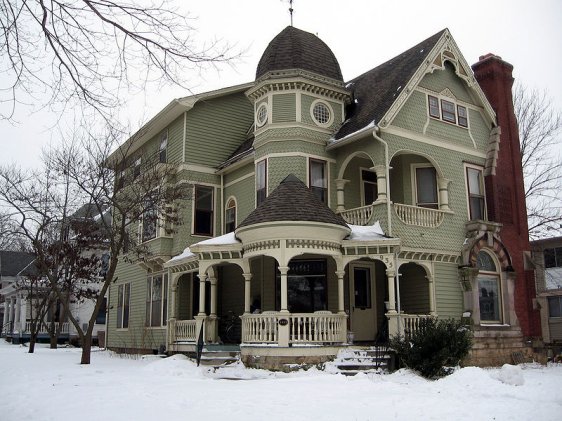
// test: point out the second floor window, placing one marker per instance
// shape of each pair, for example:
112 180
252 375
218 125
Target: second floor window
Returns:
318 182
149 225
137 168
163 147
476 197
123 301
370 192
203 223
230 216
261 182
426 188
448 111
553 257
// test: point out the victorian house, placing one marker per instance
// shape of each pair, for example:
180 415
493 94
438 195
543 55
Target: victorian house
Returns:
327 212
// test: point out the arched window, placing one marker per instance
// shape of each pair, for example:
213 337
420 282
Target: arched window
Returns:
489 289
230 216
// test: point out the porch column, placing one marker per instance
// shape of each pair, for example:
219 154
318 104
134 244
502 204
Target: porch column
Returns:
213 282
443 186
23 314
391 292
6 312
380 170
341 308
202 277
18 314
174 290
283 271
431 285
247 290
340 185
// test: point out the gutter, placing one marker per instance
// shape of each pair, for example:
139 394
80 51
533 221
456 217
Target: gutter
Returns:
387 170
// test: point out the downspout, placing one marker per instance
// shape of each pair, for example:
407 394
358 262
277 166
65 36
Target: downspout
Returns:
387 170
398 306
222 203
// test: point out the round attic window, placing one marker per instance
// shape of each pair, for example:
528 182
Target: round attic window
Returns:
261 115
321 113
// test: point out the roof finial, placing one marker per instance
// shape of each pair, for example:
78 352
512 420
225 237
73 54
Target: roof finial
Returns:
291 10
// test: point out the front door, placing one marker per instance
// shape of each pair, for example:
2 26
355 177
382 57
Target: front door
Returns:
362 301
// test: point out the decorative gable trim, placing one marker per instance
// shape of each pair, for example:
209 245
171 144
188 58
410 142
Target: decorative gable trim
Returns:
445 49
447 92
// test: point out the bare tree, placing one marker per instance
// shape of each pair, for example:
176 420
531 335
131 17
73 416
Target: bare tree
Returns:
540 134
88 50
10 234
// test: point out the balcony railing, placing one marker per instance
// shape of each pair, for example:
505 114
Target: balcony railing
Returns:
304 328
418 216
358 216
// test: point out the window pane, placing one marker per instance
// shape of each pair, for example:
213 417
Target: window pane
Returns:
126 298
203 210
554 304
485 262
463 120
476 208
204 198
558 251
261 181
120 306
100 318
149 221
433 106
474 181
230 220
489 299
426 187
549 258
148 301
448 111
306 286
317 176
362 287
370 192
156 316
165 301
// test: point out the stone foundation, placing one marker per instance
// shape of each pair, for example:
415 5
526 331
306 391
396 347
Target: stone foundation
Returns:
283 359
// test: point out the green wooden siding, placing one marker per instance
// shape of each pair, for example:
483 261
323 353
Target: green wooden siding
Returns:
448 294
441 79
284 108
216 127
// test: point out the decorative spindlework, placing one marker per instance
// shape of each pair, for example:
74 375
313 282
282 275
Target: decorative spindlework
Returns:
358 216
262 245
185 267
430 256
313 244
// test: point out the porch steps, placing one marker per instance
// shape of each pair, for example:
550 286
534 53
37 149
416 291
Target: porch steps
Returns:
218 356
375 359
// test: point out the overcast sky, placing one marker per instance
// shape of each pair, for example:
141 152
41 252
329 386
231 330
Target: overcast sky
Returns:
361 33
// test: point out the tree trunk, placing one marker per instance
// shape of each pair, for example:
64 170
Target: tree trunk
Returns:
86 348
32 340
53 338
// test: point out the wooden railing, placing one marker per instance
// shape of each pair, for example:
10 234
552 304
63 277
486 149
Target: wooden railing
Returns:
317 328
182 330
44 327
304 328
260 328
358 216
421 217
411 323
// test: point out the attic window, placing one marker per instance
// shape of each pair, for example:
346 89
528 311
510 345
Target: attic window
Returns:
447 110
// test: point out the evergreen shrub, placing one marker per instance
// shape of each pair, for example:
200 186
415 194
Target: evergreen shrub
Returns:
436 347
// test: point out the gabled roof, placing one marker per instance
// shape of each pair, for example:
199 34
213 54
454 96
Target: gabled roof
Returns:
13 262
376 90
292 201
294 48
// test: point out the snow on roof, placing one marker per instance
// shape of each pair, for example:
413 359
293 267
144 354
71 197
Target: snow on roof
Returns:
367 233
334 141
186 254
221 240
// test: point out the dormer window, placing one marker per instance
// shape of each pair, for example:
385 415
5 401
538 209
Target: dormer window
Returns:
447 110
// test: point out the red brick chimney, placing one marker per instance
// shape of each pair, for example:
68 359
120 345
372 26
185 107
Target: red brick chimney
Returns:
505 191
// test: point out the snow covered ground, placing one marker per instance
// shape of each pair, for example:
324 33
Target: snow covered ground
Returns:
51 385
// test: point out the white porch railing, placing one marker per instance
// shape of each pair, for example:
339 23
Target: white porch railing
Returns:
182 330
317 328
44 327
411 323
358 216
260 328
421 217
304 328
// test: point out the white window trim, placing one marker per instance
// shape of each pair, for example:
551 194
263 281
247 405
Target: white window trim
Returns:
330 109
498 276
163 135
123 307
163 317
455 103
235 210
327 167
362 185
261 105
467 193
413 176
266 160
214 210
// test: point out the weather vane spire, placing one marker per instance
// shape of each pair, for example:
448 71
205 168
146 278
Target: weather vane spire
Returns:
291 10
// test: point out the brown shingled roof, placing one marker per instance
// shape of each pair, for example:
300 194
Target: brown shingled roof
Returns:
376 90
294 48
292 201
